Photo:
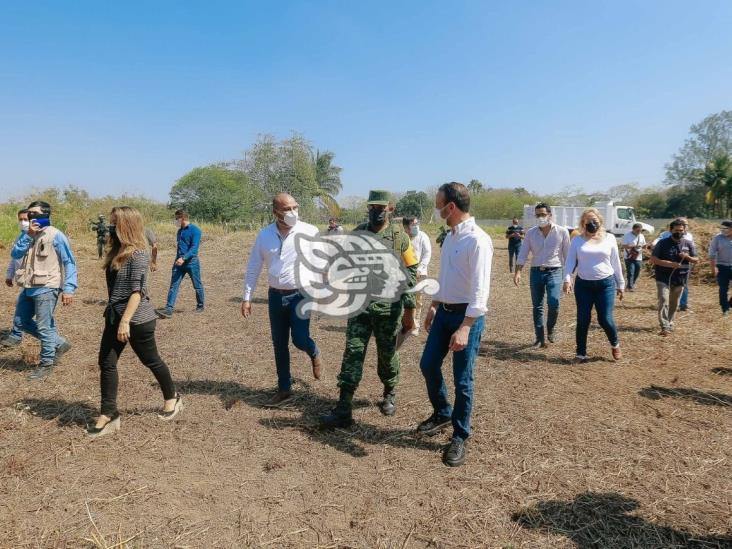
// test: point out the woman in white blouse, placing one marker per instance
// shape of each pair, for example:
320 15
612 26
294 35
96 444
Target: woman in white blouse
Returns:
594 255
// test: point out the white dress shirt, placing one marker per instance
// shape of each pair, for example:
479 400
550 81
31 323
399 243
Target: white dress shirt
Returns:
279 254
546 251
595 260
465 268
423 248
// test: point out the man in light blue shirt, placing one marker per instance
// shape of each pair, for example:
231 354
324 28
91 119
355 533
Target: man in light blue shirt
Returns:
47 270
720 257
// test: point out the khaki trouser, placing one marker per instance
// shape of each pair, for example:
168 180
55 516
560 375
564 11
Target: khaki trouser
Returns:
668 302
418 310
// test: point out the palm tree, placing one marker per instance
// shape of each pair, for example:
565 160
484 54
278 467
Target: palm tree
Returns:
328 179
717 177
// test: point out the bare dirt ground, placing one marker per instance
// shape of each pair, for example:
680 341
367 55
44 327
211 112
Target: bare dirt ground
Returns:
628 454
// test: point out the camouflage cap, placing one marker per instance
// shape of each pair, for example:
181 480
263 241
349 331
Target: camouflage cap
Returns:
379 198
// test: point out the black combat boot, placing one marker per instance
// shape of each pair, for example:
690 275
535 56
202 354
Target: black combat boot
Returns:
341 415
388 405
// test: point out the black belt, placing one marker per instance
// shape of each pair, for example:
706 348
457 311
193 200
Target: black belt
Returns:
546 269
283 292
454 307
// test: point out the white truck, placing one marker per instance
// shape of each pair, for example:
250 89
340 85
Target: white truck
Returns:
619 220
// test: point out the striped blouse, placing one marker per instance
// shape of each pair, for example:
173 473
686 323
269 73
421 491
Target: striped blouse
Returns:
131 278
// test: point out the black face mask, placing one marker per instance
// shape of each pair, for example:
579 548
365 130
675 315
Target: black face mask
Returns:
592 227
112 231
377 217
677 236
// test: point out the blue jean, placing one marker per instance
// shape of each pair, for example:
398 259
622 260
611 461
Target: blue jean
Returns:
16 332
549 283
513 251
633 268
283 320
438 341
192 268
724 276
601 295
43 326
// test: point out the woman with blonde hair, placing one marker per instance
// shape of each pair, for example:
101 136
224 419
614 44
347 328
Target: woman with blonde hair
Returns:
129 317
594 255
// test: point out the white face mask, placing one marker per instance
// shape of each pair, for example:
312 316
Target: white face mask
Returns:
24 225
438 212
543 221
179 223
290 218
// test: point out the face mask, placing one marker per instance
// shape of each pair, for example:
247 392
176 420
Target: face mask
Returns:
438 212
677 235
377 217
179 223
414 230
290 218
542 221
112 231
24 225
592 227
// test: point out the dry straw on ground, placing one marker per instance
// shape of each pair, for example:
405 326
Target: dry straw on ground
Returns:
628 454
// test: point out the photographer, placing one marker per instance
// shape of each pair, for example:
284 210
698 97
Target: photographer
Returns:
47 270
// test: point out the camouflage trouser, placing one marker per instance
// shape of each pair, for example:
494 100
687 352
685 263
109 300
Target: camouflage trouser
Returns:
100 245
359 330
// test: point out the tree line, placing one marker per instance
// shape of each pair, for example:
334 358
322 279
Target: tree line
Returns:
240 191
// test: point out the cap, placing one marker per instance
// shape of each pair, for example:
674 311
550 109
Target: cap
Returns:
727 224
379 198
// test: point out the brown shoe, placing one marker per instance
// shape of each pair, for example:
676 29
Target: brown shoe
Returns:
617 355
665 332
280 398
317 365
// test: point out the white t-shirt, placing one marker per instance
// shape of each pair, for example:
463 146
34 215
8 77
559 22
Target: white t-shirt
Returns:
639 242
595 260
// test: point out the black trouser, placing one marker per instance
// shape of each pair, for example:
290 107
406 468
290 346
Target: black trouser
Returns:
142 341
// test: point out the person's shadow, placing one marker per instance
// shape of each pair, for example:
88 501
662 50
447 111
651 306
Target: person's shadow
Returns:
603 520
65 413
312 406
707 398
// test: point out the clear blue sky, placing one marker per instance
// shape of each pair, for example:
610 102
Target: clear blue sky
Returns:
127 97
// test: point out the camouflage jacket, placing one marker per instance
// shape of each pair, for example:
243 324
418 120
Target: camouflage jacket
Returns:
393 236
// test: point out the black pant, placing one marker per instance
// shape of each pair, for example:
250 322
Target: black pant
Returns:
142 341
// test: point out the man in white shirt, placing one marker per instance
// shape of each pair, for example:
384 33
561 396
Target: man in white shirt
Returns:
633 244
456 318
684 303
423 249
548 244
275 247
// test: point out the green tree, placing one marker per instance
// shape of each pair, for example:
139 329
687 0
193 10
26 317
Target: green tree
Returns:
328 178
284 166
414 203
687 200
717 178
214 193
709 138
475 186
650 203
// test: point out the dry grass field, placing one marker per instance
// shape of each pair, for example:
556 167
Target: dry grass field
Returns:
628 454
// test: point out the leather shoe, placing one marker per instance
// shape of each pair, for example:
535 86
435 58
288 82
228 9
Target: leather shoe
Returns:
317 366
456 452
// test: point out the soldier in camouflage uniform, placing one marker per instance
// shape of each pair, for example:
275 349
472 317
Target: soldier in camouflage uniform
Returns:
102 230
381 318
